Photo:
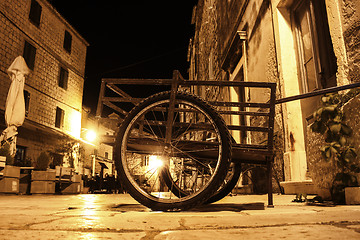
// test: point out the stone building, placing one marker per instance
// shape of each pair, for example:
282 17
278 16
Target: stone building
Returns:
55 52
302 45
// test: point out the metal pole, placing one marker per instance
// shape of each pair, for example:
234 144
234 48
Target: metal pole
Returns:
317 93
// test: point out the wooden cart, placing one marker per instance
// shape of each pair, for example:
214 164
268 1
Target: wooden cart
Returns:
174 150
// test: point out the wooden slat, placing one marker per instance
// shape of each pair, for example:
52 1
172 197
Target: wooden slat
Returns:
138 81
121 99
240 104
254 146
117 90
271 118
228 84
244 113
186 125
248 128
116 108
100 103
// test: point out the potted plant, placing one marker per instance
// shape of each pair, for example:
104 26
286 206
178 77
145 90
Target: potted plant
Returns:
9 183
42 178
333 161
5 153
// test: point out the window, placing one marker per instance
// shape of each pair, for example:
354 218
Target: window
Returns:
20 157
67 41
35 13
63 78
29 55
317 61
59 118
27 102
106 155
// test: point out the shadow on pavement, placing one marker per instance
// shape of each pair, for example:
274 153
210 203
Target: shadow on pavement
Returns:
232 207
215 207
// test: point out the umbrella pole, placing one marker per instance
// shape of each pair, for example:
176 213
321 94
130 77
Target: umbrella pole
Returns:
13 146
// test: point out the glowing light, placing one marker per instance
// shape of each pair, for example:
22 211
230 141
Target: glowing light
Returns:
90 135
155 162
74 128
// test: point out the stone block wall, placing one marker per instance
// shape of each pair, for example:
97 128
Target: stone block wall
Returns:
42 83
351 21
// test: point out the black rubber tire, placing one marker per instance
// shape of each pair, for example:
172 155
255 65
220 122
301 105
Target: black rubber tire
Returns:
228 185
217 171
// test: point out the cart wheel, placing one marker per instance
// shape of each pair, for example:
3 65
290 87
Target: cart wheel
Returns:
229 183
177 175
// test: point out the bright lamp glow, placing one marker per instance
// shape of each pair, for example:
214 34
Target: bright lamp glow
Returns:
90 135
155 162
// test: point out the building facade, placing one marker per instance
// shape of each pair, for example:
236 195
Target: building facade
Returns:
302 45
55 52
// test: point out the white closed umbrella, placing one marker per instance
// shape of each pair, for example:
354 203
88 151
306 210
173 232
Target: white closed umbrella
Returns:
15 103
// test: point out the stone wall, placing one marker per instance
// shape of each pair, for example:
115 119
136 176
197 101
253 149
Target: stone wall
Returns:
42 83
351 21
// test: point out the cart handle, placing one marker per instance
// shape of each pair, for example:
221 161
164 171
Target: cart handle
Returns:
317 93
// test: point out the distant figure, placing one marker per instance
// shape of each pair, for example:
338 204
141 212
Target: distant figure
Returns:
110 183
119 186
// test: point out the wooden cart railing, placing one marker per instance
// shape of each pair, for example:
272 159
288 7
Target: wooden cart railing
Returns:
247 113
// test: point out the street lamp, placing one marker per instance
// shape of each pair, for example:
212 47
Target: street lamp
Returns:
155 162
90 135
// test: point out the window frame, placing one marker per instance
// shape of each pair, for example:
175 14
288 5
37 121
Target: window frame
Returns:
325 69
63 78
300 48
67 41
59 118
35 13
20 155
29 54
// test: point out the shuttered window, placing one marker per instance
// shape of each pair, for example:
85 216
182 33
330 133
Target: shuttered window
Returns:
63 78
35 13
59 118
29 55
67 41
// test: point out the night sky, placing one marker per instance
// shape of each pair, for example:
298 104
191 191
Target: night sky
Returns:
130 39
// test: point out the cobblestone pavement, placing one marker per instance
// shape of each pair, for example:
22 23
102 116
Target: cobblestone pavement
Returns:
118 216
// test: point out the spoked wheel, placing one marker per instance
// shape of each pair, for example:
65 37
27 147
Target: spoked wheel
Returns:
177 174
